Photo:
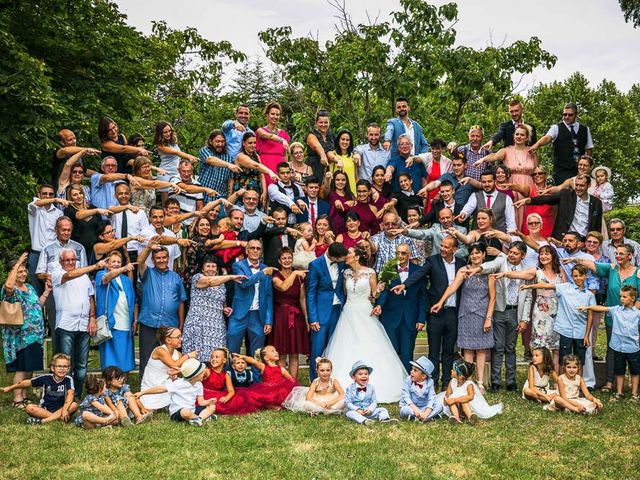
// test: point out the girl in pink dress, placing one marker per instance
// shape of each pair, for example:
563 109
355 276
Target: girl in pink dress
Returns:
217 384
276 383
272 142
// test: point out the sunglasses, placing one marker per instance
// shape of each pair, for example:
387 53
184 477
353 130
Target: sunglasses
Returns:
535 174
568 114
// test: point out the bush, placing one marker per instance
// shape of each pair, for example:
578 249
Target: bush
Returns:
631 217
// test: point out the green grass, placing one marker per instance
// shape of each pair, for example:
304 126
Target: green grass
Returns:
524 442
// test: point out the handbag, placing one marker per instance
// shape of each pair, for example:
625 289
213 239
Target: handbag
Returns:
104 332
11 314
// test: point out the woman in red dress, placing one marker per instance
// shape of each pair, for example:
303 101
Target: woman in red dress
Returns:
547 212
339 195
290 334
324 235
217 384
363 206
353 235
276 384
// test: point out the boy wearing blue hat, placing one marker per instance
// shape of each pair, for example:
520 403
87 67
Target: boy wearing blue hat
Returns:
418 400
360 398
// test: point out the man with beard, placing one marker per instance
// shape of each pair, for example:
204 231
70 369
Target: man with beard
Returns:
216 165
507 129
234 130
403 125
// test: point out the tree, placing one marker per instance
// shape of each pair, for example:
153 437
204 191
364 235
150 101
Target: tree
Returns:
631 11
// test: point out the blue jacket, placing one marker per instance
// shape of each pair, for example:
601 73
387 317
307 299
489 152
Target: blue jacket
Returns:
244 291
323 209
412 306
395 128
113 291
424 397
355 400
320 291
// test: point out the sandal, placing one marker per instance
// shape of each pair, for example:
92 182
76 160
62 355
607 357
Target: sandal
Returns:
20 404
606 389
615 397
634 398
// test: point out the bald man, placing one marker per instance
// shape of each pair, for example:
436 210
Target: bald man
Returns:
68 147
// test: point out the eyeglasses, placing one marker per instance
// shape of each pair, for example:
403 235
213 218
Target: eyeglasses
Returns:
535 174
621 254
77 172
254 248
68 260
389 224
615 229
534 223
591 242
107 232
179 337
61 366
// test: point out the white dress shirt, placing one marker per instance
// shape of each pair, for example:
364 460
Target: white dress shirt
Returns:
509 212
334 272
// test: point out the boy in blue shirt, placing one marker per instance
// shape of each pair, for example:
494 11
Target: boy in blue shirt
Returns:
571 322
625 339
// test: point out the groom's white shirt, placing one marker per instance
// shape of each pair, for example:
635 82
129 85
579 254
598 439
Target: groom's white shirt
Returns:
333 272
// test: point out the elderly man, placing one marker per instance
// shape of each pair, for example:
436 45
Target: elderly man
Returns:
75 312
385 243
252 215
437 232
617 230
234 130
403 125
371 154
128 220
103 188
403 163
163 297
507 129
67 148
473 151
191 197
570 141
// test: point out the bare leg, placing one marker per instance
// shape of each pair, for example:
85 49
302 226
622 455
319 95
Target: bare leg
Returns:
187 414
122 412
293 365
566 404
466 409
619 383
481 360
454 411
208 411
19 394
91 420
532 394
635 379
133 406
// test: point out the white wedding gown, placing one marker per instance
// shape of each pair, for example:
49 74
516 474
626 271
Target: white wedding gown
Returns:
359 336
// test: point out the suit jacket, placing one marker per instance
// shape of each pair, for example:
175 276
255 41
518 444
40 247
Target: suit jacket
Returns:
355 400
395 128
507 129
436 206
323 209
244 291
566 199
424 397
412 306
320 290
501 264
272 244
435 270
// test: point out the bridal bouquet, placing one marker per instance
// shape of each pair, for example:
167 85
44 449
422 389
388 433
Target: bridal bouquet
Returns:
389 271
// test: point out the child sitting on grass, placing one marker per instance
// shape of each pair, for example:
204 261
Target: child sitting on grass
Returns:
57 393
418 400
625 340
120 399
217 384
541 371
184 393
570 384
276 383
324 395
360 398
464 397
241 376
94 412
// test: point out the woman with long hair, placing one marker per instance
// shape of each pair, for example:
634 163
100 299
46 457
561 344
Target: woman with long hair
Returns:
166 142
272 142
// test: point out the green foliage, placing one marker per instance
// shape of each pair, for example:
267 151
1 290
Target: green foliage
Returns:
631 11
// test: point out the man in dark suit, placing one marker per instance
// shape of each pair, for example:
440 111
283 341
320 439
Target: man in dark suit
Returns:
442 327
507 129
277 237
325 298
447 200
403 316
577 210
315 206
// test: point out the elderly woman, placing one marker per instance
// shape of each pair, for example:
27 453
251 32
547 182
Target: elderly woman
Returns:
22 345
300 170
204 327
115 298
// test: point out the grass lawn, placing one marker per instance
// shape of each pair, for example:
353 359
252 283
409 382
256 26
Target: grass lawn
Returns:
524 442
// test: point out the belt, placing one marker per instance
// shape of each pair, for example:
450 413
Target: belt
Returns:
511 307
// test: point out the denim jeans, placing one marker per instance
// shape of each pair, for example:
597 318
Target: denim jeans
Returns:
76 345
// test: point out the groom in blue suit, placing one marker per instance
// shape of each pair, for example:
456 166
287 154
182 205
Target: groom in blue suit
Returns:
252 302
325 298
402 316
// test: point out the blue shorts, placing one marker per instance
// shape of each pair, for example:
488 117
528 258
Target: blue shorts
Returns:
621 360
176 417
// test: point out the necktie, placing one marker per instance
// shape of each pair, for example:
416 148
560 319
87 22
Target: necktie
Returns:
419 385
488 201
124 228
362 389
573 131
512 290
312 207
283 241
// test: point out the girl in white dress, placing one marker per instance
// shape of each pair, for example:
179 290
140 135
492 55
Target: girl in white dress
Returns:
570 384
464 397
325 395
360 335
541 372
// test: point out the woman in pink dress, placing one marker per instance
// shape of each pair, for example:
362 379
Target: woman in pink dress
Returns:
272 142
520 161
546 212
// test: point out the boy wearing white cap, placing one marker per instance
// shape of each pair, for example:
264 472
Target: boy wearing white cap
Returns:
418 400
185 392
360 398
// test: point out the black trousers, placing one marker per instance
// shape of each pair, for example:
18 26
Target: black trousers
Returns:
442 333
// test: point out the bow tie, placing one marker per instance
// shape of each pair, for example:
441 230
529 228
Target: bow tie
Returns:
362 389
403 269
419 385
255 267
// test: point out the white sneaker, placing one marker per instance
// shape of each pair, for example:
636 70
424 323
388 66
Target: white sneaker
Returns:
368 422
196 422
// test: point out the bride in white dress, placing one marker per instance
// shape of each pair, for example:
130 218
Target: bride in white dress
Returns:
360 336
